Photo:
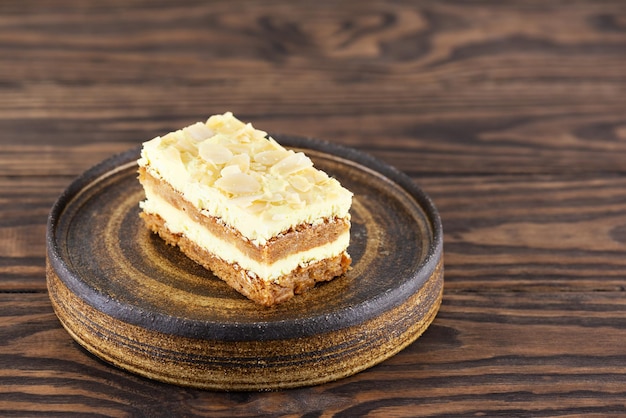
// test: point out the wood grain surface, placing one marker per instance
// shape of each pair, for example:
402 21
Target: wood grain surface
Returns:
510 115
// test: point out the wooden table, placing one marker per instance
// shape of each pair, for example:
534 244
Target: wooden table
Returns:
512 117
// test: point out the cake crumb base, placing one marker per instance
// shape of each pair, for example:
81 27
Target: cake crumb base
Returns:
261 291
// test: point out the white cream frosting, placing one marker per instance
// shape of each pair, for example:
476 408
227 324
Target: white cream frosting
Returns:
180 223
234 172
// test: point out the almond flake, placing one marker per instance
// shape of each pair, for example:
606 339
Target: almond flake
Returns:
199 131
300 183
214 153
270 158
292 164
238 183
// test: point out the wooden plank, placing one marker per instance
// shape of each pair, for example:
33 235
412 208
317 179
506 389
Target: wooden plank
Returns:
65 162
534 355
511 233
24 206
568 144
466 87
522 233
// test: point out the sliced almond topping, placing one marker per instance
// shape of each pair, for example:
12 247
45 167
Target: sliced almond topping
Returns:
214 153
172 154
292 164
300 183
248 200
238 183
258 167
270 158
199 131
237 148
242 160
230 170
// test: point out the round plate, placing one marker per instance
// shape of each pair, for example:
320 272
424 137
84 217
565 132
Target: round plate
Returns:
140 304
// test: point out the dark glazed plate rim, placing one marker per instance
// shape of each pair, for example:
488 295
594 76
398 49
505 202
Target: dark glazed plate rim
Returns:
261 330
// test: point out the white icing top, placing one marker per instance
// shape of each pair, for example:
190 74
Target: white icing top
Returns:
234 172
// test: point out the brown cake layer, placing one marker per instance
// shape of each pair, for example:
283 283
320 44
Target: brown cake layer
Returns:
261 291
299 239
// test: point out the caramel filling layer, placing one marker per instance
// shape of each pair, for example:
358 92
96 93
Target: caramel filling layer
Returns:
296 240
267 293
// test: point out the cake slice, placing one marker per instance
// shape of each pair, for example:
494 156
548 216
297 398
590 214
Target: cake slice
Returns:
259 216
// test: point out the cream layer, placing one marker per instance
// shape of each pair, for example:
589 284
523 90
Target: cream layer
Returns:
179 222
233 172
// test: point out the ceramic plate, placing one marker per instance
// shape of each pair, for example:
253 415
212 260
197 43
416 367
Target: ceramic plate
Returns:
142 305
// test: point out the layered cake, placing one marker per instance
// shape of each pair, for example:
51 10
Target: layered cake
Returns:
259 216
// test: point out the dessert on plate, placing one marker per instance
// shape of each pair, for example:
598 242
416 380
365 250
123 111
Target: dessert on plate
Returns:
259 216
